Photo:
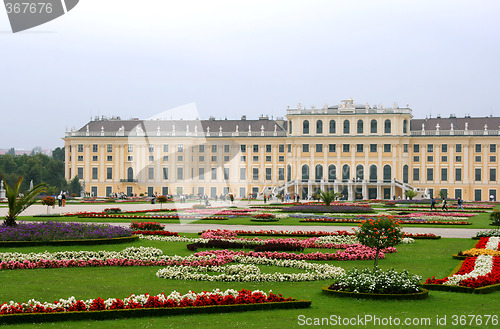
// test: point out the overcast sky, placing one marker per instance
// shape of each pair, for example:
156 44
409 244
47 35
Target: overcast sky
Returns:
139 58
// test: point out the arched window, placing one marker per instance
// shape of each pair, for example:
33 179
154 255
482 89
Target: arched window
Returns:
130 174
360 172
318 173
387 174
405 126
305 127
290 122
373 173
373 126
346 127
387 126
319 127
405 174
305 173
332 127
346 173
360 126
288 173
332 173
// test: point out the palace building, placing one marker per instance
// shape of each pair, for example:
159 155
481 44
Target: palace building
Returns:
365 152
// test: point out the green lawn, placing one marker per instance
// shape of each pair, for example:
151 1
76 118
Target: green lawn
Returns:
425 257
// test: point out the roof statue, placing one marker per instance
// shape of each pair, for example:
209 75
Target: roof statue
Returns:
466 126
451 126
423 126
437 127
236 128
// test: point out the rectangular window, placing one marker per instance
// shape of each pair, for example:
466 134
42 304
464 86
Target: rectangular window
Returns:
458 193
95 158
281 158
268 148
151 148
165 173
201 148
243 158
345 147
319 148
165 148
226 148
80 148
478 148
213 191
226 158
180 158
255 173
458 148
109 190
359 148
387 147
180 173
458 158
255 158
477 195
201 173
268 173
458 174
430 174
214 173
444 174
305 148
444 158
416 174
493 175
109 147
281 173
243 192
80 158
289 148
95 148
243 174
430 148
180 148
165 158
79 172
477 174
256 148
201 158
416 148
109 173
281 148
405 148
430 158
213 158
95 173
493 147
373 148
214 149
130 158
243 148
268 158
477 158
151 173
130 148
109 158
226 173
331 148
151 158
416 158
493 158
444 148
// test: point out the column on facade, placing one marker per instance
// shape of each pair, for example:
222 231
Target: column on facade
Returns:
365 189
350 191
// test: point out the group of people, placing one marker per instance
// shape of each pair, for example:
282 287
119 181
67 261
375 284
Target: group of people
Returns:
61 199
444 207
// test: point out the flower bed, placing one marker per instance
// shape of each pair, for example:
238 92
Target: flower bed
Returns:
479 274
53 231
489 233
358 220
146 226
332 208
485 246
164 233
145 305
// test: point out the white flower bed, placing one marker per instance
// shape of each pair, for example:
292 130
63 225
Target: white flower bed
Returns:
483 266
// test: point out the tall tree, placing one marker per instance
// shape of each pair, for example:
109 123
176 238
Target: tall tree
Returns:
58 154
11 151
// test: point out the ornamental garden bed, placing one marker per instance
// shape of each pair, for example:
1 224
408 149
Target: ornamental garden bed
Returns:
146 306
416 295
77 242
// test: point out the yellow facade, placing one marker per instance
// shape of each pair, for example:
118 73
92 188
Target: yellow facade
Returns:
362 151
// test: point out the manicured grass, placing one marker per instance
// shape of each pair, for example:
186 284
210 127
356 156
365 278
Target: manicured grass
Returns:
425 257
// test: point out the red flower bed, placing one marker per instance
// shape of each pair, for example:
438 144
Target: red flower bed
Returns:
164 233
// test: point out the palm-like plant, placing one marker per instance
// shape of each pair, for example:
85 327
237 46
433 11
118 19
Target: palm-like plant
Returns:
18 205
411 194
328 196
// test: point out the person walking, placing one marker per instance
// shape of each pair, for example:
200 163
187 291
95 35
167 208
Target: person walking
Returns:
433 204
444 207
460 203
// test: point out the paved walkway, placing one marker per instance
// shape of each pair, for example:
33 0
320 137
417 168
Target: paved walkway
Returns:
195 228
